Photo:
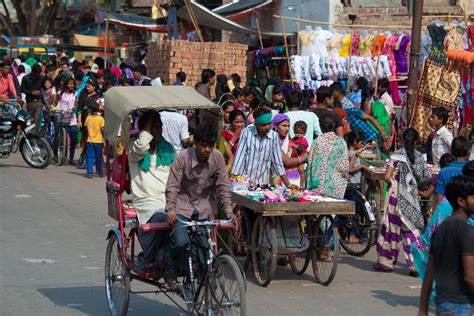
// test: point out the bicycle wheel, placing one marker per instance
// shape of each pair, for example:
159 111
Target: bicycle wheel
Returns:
299 262
357 232
239 238
117 280
62 146
325 249
226 287
264 249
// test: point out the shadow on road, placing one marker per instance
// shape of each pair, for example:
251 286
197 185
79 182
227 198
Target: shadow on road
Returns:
395 300
91 300
14 166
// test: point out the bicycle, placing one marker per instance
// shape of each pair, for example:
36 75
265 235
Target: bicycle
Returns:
358 232
62 119
218 286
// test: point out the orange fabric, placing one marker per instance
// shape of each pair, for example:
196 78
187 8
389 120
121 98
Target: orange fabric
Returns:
379 44
7 85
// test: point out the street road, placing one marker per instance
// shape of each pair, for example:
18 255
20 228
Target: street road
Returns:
53 225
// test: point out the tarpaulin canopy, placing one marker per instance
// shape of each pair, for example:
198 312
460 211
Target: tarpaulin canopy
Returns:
137 22
121 101
240 9
206 17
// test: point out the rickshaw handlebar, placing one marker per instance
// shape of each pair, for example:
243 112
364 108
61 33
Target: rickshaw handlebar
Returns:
220 223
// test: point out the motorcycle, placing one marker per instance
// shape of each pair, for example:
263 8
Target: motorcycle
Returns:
16 133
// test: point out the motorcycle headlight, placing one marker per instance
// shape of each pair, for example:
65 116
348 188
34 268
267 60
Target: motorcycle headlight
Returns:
28 122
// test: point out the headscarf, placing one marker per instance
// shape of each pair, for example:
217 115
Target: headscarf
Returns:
341 112
279 118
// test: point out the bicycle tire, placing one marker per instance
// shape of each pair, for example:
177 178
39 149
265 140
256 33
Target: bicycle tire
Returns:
118 280
62 145
324 234
264 249
357 226
226 287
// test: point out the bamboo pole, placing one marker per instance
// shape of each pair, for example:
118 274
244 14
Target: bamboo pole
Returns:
261 45
193 20
286 50
106 42
298 23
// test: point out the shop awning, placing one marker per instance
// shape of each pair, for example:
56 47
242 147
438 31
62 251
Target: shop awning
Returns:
137 22
206 17
240 9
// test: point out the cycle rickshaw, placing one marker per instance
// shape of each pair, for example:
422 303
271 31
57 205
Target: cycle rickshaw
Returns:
213 287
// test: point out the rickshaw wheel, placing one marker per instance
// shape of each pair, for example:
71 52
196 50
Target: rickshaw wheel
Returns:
264 249
239 238
117 279
225 286
325 249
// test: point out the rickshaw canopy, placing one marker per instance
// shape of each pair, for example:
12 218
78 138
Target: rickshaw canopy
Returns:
120 102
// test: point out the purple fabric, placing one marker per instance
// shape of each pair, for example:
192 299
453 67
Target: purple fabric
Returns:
393 201
388 254
401 56
279 118
394 219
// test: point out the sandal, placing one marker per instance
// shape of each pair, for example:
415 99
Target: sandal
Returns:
377 268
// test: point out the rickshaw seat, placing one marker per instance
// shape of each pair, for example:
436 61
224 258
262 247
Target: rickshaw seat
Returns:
117 173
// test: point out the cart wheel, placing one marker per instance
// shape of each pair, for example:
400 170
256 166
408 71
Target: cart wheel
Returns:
299 262
239 238
264 249
325 249
117 280
373 195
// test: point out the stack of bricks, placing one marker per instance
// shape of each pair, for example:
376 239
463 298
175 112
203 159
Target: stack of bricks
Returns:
166 58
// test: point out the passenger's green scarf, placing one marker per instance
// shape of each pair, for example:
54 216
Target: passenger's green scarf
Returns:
164 156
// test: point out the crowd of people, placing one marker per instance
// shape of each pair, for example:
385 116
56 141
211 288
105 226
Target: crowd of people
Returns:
273 134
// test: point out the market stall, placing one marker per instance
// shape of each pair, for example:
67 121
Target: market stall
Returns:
278 222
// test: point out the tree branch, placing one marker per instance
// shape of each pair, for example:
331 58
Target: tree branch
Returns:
21 16
8 25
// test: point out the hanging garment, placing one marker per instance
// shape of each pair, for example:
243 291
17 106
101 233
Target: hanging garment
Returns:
437 50
355 44
389 50
456 39
344 51
401 56
319 40
379 43
365 45
307 48
425 48
334 44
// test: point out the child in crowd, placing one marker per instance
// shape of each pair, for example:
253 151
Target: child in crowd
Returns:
95 124
67 99
355 141
442 138
299 146
227 107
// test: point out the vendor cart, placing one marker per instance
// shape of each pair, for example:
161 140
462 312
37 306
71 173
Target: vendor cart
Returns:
260 239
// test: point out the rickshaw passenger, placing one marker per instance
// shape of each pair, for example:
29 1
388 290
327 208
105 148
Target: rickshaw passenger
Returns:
150 157
195 177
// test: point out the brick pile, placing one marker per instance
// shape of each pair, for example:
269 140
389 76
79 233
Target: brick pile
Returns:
166 58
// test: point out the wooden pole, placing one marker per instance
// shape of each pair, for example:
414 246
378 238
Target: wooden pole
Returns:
106 44
261 45
413 70
286 51
298 23
193 19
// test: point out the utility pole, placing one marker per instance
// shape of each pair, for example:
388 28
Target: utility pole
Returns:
413 70
32 18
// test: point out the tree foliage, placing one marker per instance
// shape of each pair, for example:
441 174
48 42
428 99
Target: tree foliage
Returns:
48 19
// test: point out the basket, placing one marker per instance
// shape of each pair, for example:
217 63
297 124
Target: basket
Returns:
63 117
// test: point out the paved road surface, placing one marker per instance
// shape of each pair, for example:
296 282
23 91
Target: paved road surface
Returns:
53 225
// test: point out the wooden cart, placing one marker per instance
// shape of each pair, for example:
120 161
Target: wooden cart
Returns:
256 239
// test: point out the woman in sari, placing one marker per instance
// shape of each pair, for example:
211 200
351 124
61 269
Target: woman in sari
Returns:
231 135
328 162
281 124
406 174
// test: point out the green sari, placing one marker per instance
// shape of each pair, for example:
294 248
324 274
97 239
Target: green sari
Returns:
382 117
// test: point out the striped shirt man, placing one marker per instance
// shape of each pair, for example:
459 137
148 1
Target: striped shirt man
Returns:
257 156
